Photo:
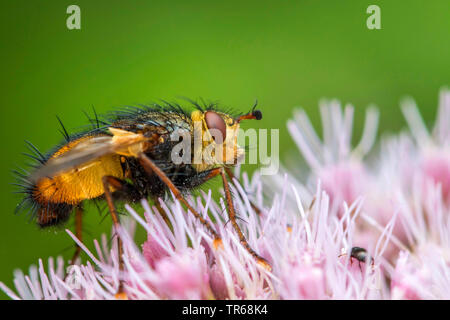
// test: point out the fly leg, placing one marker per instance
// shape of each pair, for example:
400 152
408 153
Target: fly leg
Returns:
161 211
78 233
109 181
232 176
152 168
232 216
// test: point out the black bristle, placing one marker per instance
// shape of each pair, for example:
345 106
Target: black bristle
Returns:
64 131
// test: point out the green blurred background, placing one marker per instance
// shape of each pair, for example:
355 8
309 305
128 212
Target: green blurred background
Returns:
285 53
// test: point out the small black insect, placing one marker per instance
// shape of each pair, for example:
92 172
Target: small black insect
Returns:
361 255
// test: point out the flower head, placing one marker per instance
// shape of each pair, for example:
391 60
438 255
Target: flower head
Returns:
396 207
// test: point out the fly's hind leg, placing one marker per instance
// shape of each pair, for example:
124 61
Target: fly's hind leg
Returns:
232 216
117 184
78 233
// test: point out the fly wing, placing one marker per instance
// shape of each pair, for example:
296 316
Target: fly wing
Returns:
122 142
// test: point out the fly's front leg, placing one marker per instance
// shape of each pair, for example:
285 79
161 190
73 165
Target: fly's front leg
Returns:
232 176
232 216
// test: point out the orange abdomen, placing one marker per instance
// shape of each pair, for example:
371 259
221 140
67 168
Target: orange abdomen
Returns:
78 184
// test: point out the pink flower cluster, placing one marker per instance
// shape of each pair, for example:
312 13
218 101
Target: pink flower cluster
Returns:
394 202
407 177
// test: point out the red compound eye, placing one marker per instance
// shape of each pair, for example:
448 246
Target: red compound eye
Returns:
215 121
